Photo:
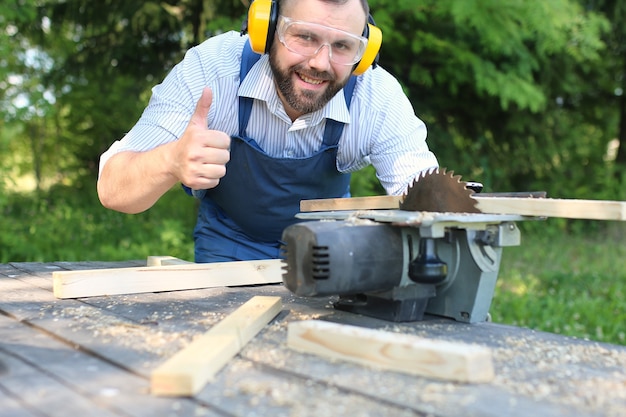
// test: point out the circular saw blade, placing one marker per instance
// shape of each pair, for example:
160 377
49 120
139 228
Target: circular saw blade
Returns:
439 191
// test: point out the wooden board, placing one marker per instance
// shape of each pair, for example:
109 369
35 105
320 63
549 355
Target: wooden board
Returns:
99 282
165 260
391 202
551 207
392 351
190 369
540 207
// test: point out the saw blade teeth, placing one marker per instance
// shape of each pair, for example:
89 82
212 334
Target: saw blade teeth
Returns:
425 173
438 190
407 191
451 174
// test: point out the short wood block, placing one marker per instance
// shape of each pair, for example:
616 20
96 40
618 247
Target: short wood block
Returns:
188 371
392 351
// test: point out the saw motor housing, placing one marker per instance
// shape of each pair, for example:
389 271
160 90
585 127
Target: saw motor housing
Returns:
398 267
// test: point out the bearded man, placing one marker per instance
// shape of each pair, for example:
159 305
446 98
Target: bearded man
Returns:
253 123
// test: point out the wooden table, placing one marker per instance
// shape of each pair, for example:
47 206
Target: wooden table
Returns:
94 356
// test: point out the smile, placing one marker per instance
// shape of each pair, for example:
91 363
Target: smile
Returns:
310 80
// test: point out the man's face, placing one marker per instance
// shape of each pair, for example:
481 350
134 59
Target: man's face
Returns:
307 83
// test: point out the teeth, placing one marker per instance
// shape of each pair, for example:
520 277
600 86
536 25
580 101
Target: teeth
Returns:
311 80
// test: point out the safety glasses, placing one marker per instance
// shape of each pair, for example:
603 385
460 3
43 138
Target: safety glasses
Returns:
307 39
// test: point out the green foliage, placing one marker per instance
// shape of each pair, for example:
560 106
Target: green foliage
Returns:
12 13
364 183
509 91
69 224
517 95
97 63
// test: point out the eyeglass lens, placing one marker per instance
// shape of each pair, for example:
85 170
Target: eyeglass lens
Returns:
308 38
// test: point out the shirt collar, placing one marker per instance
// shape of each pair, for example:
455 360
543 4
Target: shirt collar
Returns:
259 85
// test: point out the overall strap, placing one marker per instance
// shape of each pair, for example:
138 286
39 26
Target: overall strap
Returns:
248 59
334 129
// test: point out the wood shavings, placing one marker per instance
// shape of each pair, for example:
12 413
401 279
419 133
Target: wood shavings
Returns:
545 371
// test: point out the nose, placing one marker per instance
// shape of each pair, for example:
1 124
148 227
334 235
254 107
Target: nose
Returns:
321 59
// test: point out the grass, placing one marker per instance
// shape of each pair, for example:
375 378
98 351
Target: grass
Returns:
69 224
572 283
567 283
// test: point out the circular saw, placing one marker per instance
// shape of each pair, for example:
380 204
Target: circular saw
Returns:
440 191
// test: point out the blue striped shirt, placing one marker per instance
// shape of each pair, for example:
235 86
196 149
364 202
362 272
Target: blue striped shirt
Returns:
381 127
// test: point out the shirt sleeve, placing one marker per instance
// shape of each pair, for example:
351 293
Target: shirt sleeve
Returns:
396 144
173 101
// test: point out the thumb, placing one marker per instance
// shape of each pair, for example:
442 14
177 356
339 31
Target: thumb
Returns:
199 116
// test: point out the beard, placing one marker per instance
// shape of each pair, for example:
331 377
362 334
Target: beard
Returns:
305 101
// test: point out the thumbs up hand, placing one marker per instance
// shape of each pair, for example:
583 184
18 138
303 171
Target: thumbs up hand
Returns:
201 154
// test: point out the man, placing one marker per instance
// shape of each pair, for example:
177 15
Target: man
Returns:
253 135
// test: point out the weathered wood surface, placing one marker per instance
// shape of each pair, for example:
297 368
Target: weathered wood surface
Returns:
94 357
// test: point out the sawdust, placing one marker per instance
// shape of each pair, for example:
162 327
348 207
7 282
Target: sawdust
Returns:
574 373
578 374
585 375
151 335
302 398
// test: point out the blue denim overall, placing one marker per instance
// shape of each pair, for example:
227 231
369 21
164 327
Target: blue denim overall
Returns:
244 216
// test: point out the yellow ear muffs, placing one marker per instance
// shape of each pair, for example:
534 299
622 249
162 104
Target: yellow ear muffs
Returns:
374 40
261 27
262 17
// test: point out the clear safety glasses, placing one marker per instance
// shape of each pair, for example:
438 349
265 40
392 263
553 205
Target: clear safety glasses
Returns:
307 39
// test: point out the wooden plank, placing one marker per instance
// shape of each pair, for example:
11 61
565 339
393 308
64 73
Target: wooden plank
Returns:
540 207
191 368
551 207
11 407
43 395
352 203
393 351
98 282
165 260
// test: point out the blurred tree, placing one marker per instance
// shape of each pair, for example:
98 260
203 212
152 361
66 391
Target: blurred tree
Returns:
612 90
117 51
101 59
514 93
502 86
26 104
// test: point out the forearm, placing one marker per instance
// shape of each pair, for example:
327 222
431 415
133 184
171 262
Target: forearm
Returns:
131 182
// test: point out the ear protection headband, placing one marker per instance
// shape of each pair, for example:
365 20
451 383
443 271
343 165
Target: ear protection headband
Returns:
261 27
